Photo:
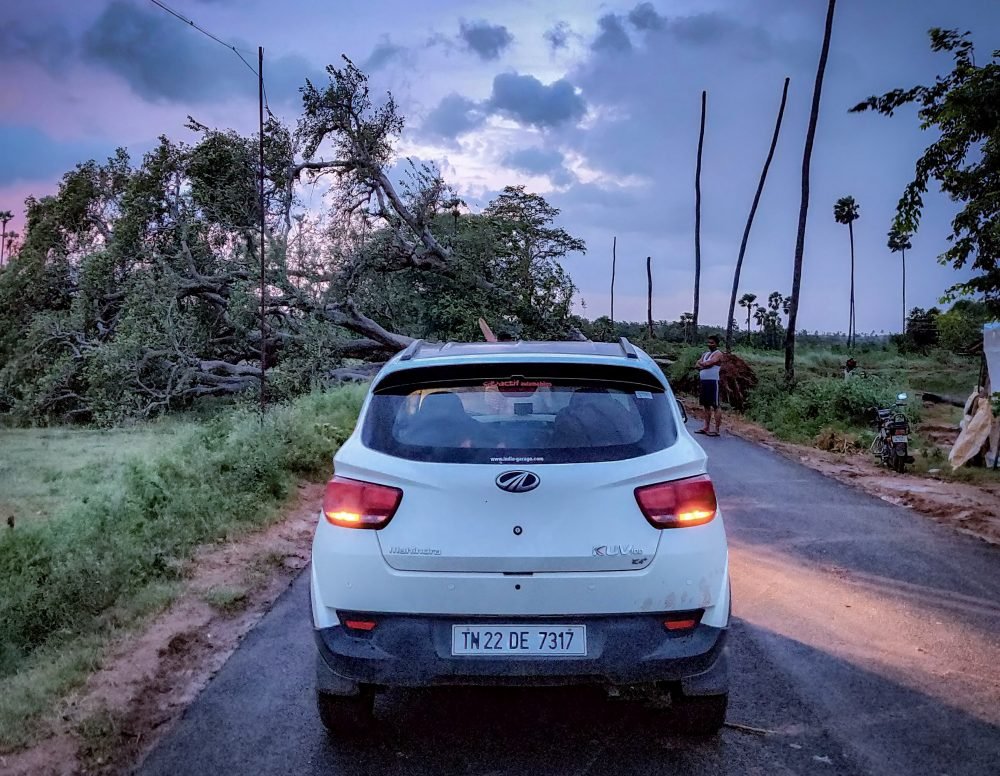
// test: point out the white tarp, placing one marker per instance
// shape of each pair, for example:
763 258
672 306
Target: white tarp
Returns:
991 347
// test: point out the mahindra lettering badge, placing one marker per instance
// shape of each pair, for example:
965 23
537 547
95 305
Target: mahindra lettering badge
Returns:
517 481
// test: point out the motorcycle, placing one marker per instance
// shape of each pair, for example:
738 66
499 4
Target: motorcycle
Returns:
891 441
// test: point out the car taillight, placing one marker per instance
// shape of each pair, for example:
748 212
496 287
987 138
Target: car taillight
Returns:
678 504
356 504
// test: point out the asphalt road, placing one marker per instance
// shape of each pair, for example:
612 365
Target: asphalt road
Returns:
866 640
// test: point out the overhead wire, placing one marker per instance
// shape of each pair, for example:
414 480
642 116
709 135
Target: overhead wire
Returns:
218 40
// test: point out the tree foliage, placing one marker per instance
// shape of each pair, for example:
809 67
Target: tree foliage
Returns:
135 290
963 108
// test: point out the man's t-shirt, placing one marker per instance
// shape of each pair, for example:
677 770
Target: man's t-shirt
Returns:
712 372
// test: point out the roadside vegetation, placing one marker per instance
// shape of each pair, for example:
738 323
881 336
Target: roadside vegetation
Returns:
109 550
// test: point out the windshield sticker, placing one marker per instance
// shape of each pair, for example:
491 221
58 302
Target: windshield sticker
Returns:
643 395
518 459
513 385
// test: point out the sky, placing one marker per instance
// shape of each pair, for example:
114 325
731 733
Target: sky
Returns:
596 105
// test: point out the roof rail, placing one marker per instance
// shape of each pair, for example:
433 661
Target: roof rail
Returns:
411 350
627 348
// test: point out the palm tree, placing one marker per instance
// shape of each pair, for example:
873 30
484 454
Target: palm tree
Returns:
800 240
753 210
899 241
747 301
845 211
697 217
5 216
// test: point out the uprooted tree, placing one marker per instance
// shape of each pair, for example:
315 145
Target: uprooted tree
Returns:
135 289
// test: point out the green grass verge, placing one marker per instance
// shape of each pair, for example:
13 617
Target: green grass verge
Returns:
97 563
44 471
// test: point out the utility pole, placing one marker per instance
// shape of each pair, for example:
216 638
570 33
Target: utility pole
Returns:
263 279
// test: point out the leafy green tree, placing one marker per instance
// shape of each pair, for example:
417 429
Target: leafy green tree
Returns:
137 290
845 211
960 328
529 249
961 108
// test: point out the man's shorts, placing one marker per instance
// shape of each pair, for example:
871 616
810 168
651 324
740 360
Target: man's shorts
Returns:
709 395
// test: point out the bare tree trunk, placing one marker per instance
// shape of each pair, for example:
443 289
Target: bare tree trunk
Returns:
697 217
614 248
851 333
753 211
904 290
649 295
3 242
800 240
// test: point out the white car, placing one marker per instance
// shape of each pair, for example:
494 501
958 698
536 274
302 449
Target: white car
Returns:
521 513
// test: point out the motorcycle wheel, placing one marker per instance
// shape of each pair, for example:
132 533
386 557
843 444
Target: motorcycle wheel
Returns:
898 463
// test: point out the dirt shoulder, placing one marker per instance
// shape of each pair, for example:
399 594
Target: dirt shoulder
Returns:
150 676
972 509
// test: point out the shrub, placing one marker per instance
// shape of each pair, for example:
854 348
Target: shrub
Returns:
821 404
62 576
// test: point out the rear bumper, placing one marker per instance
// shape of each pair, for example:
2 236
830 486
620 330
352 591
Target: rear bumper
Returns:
405 651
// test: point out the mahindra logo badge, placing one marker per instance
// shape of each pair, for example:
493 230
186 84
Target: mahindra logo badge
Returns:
517 482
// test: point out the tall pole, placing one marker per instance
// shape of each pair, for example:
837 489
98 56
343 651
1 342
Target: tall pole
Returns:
263 280
697 217
614 248
649 294
800 238
904 291
753 211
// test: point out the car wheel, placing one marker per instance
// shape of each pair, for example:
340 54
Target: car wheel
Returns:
699 715
347 715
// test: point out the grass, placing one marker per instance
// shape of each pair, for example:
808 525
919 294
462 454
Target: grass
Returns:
111 553
228 599
44 471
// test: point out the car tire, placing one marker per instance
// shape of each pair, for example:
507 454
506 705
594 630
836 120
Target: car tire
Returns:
699 715
347 715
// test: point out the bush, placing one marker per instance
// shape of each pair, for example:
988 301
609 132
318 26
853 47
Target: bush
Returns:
60 578
821 405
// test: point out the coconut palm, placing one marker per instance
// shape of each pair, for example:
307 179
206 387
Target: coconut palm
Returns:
5 216
800 238
899 241
747 301
846 211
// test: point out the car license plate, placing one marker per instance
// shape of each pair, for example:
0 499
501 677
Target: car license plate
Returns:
519 640
899 438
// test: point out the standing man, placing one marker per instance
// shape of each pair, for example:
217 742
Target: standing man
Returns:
709 368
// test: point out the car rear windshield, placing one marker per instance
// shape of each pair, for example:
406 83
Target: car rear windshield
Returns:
521 414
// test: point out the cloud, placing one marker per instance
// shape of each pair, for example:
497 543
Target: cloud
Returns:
645 17
522 98
558 36
49 45
712 29
453 116
487 40
28 154
612 35
384 53
163 60
540 161
527 100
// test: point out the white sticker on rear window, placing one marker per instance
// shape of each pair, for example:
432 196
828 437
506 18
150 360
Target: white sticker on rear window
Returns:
643 395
